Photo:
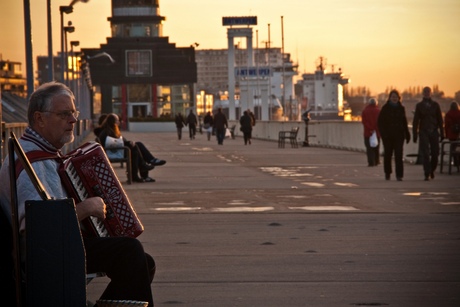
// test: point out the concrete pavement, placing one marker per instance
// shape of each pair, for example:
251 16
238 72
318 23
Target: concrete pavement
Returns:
256 225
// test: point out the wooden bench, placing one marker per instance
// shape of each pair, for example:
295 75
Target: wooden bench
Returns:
290 135
452 151
126 158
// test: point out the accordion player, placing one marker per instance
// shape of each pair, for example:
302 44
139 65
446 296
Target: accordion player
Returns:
87 172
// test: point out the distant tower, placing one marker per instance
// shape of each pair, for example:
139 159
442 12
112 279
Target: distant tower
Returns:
243 31
145 75
136 19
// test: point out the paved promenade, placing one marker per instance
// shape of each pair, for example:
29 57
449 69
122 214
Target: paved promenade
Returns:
256 225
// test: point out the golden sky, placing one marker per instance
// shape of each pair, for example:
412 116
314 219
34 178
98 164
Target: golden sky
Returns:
377 43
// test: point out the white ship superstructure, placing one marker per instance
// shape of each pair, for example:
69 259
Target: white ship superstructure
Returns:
322 91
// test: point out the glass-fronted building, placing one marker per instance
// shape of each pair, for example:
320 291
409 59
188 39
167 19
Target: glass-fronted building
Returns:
138 72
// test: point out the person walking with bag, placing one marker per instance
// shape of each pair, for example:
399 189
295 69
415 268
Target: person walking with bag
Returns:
392 125
221 125
369 118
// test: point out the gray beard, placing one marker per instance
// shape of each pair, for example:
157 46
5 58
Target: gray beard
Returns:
68 139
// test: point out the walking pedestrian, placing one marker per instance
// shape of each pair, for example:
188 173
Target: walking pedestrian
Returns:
369 118
428 126
452 128
191 122
393 129
246 127
180 123
221 125
208 123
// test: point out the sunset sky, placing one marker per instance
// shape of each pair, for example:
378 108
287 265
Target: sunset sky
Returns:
377 43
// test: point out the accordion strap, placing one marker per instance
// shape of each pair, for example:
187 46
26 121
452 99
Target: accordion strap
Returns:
33 156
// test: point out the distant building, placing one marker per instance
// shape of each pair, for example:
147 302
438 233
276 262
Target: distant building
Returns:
11 79
212 75
138 73
322 92
212 66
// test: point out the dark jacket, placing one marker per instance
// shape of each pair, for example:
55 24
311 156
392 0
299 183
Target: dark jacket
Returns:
220 121
392 122
427 117
191 119
179 120
246 123
208 120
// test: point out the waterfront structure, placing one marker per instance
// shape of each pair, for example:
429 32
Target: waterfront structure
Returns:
138 72
321 92
251 89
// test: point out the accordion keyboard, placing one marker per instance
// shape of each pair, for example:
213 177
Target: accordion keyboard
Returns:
80 190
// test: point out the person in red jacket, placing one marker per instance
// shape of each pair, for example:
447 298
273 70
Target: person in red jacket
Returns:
452 122
452 127
369 118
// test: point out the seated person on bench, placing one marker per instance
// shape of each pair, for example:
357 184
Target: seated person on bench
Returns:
142 160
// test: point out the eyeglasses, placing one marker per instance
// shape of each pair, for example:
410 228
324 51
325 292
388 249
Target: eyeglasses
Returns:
65 114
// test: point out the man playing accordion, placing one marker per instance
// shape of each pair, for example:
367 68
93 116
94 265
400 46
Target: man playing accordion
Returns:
52 116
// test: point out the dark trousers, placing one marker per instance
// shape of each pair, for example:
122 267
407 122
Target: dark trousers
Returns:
146 156
393 146
373 153
456 158
179 133
192 130
247 137
429 150
124 261
220 135
140 155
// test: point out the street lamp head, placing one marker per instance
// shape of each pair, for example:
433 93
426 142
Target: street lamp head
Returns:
66 9
74 43
69 29
101 54
75 1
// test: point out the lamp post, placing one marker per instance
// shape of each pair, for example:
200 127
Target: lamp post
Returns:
50 42
67 9
68 29
74 70
28 42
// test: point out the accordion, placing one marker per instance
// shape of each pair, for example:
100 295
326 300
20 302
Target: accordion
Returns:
87 172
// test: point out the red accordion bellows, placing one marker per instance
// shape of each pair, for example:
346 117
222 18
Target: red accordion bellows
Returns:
88 173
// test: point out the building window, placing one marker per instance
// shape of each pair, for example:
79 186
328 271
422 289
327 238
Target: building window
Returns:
139 93
138 63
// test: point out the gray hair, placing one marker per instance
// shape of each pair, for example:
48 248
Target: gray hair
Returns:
41 98
373 101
